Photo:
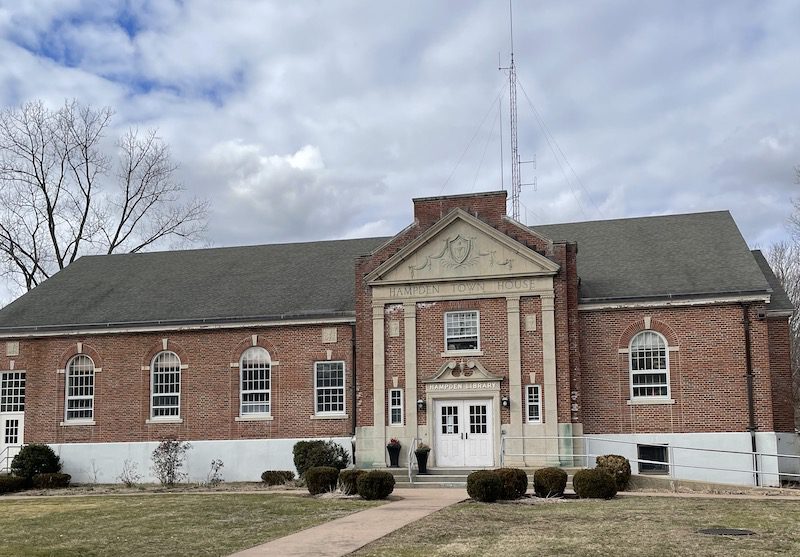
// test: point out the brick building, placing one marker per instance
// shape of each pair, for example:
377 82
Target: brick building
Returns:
468 331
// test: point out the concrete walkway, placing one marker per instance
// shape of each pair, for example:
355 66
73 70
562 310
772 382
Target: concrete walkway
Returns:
345 535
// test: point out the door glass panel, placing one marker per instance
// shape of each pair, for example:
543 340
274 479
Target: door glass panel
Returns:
450 420
477 418
11 434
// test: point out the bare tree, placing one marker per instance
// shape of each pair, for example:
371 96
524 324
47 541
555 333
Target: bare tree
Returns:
64 193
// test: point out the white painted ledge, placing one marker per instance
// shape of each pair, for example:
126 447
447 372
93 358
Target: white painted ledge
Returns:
329 416
77 422
650 401
164 421
457 353
264 418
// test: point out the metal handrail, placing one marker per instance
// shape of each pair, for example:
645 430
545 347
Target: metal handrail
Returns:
410 461
5 456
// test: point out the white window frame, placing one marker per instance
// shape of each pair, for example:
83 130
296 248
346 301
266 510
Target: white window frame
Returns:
399 393
665 371
13 395
478 331
268 390
170 417
529 404
67 398
338 413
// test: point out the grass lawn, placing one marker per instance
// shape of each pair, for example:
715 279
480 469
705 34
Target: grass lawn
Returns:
625 526
142 525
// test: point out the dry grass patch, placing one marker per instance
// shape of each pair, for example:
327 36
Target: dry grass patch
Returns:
185 524
631 526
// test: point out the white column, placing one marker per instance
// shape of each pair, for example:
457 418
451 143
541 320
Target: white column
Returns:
514 365
410 339
549 367
378 374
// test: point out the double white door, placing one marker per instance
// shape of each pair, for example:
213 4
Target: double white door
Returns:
464 433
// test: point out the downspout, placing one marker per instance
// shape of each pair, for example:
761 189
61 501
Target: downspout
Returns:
353 384
751 406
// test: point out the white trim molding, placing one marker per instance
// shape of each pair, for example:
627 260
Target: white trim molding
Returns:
706 301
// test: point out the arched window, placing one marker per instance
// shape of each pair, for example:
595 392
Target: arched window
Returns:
649 363
165 386
80 389
254 385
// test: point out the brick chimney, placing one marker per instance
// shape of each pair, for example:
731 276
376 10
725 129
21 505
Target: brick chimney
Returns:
490 207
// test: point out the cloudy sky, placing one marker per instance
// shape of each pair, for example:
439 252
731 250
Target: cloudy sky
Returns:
313 120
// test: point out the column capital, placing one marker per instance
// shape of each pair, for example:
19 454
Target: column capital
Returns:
409 309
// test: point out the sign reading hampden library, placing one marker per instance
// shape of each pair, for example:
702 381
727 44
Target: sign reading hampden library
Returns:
488 340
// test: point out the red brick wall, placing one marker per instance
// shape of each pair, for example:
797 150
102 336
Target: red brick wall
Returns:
209 385
707 373
781 370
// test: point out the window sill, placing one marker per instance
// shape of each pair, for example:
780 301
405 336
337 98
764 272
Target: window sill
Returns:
256 418
329 416
164 421
77 422
650 401
451 353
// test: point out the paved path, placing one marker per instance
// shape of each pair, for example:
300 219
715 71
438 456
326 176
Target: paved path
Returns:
345 535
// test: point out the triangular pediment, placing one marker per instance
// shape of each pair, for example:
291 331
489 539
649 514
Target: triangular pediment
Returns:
457 371
461 246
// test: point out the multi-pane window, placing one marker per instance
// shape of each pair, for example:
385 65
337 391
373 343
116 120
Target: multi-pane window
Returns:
396 407
329 387
461 330
80 388
649 365
165 385
477 418
11 434
534 403
450 420
12 391
254 368
655 455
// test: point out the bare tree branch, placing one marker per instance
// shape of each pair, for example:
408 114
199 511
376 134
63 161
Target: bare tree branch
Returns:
61 200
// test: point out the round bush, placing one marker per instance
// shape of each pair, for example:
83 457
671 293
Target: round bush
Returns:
484 486
321 479
9 484
375 484
619 468
35 459
594 484
348 480
277 477
514 483
549 482
308 454
50 481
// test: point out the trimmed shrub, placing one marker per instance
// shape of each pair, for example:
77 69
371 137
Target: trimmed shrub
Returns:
619 468
321 479
484 486
51 480
594 484
348 480
35 459
549 482
308 454
375 484
10 484
514 482
277 477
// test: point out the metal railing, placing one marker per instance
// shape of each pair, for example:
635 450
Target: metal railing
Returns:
6 457
756 470
411 449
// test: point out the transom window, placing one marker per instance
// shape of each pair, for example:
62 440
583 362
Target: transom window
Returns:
396 407
80 388
329 387
461 330
254 369
165 385
649 366
534 403
12 391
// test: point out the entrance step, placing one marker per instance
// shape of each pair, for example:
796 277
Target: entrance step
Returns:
453 477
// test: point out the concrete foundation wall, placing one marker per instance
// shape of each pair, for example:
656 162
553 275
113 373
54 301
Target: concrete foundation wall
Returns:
244 460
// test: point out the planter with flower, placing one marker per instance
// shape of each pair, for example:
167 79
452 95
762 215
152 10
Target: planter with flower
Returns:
421 453
394 452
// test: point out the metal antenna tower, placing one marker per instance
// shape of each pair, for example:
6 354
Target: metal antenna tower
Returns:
516 179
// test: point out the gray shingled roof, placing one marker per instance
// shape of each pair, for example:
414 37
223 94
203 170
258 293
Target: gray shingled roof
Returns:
780 300
649 257
665 256
280 281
